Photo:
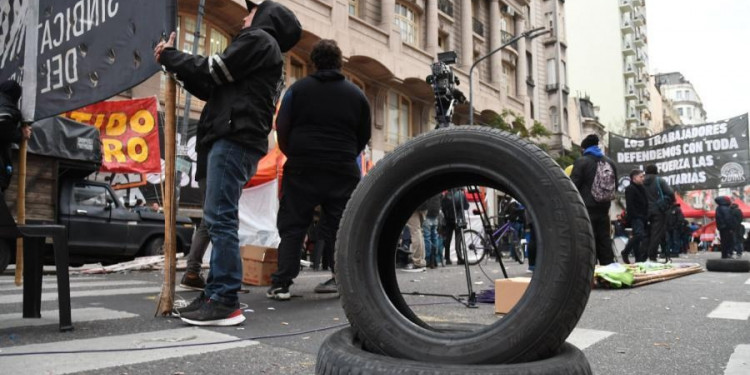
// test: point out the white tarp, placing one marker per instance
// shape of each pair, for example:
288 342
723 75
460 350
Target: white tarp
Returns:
258 208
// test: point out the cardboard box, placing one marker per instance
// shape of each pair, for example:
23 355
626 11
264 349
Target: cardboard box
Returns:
258 263
508 292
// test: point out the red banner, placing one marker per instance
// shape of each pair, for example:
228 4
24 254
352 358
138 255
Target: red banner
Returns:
129 133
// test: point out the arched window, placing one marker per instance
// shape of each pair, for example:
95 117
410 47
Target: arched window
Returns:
406 20
354 8
399 118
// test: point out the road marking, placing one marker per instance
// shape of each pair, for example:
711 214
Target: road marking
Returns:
46 286
53 279
739 361
731 310
87 314
583 338
747 282
18 298
69 363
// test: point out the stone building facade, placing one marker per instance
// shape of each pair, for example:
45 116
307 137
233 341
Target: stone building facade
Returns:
388 47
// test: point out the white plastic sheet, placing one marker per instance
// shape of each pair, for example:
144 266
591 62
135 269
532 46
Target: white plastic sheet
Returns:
259 206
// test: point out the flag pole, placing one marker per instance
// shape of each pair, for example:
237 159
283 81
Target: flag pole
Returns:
21 206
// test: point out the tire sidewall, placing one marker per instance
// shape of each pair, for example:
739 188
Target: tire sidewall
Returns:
554 301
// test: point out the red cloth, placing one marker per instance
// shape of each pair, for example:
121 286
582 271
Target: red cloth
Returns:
689 211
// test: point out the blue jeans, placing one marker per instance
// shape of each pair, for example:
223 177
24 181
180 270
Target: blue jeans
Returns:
429 230
230 165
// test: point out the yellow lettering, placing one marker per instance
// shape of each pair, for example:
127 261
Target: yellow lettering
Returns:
117 125
99 121
112 148
138 149
142 122
80 116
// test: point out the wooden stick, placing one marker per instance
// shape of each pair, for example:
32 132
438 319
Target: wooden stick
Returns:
21 215
166 299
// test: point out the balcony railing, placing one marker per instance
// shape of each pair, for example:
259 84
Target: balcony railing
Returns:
446 6
550 87
627 26
505 37
477 26
626 6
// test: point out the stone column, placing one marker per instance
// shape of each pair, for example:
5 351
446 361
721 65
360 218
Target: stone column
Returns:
496 40
521 67
387 9
431 44
467 36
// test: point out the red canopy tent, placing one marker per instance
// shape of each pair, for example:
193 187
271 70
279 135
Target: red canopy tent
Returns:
689 211
706 232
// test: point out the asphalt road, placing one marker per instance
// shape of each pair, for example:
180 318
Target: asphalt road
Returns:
696 324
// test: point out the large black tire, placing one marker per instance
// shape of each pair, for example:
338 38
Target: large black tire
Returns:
424 166
340 353
5 254
476 246
728 265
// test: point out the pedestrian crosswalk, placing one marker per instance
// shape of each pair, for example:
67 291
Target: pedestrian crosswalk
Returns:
731 310
88 314
91 354
583 338
739 362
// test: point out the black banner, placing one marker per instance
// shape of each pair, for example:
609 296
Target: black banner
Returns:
70 53
707 156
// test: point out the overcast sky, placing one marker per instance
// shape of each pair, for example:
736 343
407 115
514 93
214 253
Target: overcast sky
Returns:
709 43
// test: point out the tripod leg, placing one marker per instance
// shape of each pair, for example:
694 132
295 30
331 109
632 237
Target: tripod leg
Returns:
461 251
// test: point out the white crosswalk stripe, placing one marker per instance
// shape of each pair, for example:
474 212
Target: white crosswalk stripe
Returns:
582 338
88 314
731 310
69 363
747 282
52 296
75 285
739 361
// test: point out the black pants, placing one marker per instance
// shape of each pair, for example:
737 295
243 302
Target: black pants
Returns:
450 231
636 243
657 234
727 243
601 227
301 191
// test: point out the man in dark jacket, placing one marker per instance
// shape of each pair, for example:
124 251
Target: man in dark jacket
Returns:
240 86
11 129
430 228
323 124
584 172
675 218
660 198
636 205
453 204
739 230
725 223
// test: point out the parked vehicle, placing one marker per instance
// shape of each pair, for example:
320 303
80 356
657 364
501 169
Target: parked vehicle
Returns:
100 227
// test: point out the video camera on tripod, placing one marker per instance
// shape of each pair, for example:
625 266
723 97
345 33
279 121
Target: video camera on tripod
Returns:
444 83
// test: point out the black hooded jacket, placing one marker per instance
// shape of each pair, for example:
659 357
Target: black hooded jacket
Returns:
10 132
724 219
242 84
324 123
636 202
652 193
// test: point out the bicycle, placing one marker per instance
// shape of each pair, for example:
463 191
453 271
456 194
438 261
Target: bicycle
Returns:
478 245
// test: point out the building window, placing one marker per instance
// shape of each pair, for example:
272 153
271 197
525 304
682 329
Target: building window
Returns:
563 74
354 8
554 118
550 22
680 111
295 70
679 95
565 121
216 43
509 74
551 72
406 20
690 112
446 6
687 95
443 42
399 118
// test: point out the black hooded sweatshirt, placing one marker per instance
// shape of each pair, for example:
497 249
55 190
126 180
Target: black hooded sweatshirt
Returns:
324 123
242 84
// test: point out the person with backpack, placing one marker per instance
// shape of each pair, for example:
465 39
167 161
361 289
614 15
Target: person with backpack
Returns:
660 199
636 204
595 176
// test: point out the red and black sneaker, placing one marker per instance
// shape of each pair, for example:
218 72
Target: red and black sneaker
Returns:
213 313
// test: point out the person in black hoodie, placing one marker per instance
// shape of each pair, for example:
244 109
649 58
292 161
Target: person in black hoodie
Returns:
11 129
636 205
241 86
726 224
323 126
660 198
584 171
